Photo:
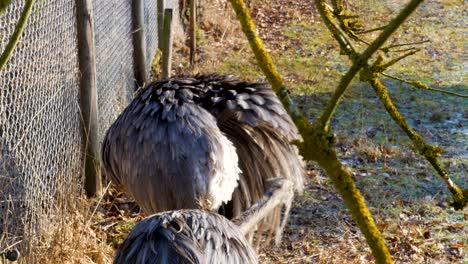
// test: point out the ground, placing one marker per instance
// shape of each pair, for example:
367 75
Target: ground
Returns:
409 202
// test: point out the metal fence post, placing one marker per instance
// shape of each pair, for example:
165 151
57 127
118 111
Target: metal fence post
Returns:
139 43
88 96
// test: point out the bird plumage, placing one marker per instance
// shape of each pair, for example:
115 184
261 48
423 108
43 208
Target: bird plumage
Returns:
168 152
185 236
199 142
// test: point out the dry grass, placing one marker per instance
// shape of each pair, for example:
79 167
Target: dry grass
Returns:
73 240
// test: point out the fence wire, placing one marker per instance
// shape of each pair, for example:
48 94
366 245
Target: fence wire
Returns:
114 59
151 27
40 129
40 122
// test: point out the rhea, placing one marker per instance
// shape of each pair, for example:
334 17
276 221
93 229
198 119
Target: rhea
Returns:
206 142
196 236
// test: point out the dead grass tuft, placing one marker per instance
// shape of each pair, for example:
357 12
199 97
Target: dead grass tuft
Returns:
368 151
73 240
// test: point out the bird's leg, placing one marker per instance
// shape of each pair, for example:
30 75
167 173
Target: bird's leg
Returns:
278 192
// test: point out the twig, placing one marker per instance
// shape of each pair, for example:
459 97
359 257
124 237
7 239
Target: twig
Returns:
88 223
401 50
325 118
370 30
393 61
423 86
386 49
16 34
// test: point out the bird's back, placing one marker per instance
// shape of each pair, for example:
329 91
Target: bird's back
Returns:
185 236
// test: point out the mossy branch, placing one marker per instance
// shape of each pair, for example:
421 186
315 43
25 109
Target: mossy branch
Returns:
3 5
359 61
343 85
327 16
389 30
16 34
431 153
370 74
421 85
348 23
316 145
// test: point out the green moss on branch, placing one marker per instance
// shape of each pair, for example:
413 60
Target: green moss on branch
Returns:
431 153
316 145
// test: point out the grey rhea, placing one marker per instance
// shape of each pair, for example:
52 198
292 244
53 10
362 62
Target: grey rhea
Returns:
185 236
196 236
205 142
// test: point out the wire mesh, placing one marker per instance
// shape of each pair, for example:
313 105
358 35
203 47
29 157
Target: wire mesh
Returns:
151 26
40 124
41 146
114 59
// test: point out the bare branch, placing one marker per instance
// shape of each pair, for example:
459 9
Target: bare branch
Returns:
401 50
370 30
423 86
387 49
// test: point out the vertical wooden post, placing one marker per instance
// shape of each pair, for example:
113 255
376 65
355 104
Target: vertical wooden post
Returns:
167 44
139 43
160 22
193 26
88 96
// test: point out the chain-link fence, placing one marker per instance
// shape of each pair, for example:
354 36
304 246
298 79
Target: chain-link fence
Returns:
114 59
41 148
151 27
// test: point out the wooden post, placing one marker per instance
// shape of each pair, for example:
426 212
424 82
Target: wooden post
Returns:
167 44
88 96
193 26
160 22
139 43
